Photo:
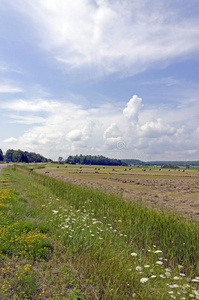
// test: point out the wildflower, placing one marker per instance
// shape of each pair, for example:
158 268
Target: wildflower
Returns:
153 276
176 278
174 286
157 251
168 270
144 279
195 280
147 266
134 254
138 268
168 274
55 211
159 262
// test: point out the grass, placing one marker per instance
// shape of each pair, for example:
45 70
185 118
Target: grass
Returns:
103 247
26 253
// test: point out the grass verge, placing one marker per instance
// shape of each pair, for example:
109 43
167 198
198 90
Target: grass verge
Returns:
120 250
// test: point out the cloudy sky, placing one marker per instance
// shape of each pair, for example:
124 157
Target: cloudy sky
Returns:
111 77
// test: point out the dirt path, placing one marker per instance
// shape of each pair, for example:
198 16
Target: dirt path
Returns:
2 166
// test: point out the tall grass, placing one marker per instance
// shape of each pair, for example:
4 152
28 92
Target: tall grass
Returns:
126 249
176 236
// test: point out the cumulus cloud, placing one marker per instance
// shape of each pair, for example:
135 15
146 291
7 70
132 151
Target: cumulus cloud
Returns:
155 129
111 36
132 108
112 136
131 131
80 135
74 135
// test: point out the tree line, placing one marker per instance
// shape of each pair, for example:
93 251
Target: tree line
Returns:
93 160
22 156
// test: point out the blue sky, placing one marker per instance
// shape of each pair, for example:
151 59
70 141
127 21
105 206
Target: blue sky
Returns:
117 78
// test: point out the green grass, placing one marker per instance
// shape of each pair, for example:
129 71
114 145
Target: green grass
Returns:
25 252
109 244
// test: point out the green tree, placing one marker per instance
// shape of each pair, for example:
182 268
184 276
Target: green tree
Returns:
1 155
9 153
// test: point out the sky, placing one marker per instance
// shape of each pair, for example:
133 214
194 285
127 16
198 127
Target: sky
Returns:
100 77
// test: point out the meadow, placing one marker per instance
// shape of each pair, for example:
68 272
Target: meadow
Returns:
64 241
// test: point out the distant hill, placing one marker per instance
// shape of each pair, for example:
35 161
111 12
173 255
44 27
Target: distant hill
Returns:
137 162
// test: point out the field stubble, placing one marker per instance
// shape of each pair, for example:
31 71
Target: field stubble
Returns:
170 189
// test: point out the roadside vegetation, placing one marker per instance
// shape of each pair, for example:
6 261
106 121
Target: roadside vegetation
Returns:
62 241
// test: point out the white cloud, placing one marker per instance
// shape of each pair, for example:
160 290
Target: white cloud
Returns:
37 105
112 136
132 108
10 140
155 129
66 128
28 120
81 135
111 36
8 88
74 135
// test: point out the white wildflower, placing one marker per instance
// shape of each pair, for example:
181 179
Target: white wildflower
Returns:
159 262
195 280
157 251
168 270
168 274
138 268
144 279
134 254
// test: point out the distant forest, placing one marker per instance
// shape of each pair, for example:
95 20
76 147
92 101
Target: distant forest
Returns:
22 156
94 160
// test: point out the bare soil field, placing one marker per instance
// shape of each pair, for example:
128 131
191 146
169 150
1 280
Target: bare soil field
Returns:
161 188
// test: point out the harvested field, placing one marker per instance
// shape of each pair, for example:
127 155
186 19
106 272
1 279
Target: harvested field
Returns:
171 189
